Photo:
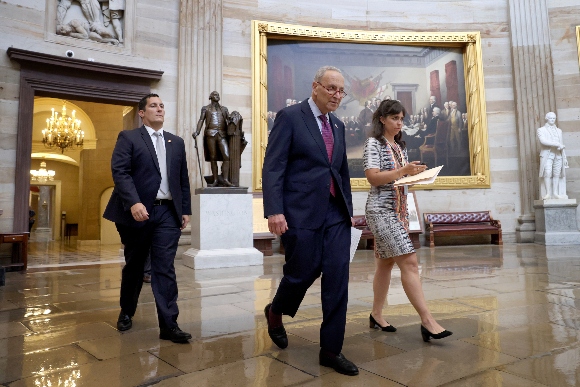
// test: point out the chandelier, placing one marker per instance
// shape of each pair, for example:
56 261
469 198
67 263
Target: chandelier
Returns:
63 132
42 175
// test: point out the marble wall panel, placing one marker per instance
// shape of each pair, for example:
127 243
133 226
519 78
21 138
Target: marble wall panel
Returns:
243 63
503 152
570 114
492 106
497 80
8 116
506 164
161 16
501 94
553 4
9 91
22 31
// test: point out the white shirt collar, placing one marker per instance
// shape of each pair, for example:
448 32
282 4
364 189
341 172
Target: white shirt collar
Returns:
315 110
151 131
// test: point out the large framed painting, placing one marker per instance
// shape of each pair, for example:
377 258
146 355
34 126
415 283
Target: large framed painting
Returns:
437 76
578 41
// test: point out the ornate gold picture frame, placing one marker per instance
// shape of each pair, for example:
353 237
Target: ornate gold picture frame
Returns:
466 45
578 42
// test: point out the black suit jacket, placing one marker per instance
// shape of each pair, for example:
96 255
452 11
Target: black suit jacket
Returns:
296 172
137 176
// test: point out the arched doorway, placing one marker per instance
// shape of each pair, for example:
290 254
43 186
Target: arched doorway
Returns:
60 77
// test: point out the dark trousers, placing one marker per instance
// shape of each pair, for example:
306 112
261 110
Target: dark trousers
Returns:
159 237
147 265
310 253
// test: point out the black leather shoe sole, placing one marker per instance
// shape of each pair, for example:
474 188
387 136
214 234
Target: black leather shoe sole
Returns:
278 334
124 322
340 364
175 336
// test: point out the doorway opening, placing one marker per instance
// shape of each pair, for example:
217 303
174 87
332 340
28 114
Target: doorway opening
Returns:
95 87
68 207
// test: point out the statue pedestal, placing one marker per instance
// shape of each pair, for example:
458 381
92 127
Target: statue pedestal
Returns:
221 231
556 222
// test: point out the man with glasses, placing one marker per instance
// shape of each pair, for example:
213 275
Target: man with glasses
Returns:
308 202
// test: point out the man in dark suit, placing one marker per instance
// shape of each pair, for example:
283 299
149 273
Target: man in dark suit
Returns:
150 205
432 125
432 105
307 200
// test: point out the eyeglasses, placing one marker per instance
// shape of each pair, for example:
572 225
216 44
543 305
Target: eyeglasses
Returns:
333 90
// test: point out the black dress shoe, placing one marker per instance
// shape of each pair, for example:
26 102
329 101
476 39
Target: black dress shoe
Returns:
147 278
278 334
124 322
174 334
340 363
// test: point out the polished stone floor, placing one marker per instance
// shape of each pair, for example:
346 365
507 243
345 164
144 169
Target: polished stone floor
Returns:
514 311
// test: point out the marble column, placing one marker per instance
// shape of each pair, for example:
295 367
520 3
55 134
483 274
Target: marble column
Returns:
534 97
200 72
43 230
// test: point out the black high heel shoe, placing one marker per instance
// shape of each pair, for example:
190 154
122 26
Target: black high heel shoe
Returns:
374 324
427 335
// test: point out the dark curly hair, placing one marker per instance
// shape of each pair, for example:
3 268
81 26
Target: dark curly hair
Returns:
388 107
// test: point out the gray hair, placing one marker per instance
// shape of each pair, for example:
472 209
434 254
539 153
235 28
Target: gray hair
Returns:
321 71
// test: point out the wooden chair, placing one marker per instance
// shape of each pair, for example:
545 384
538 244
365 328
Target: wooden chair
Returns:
437 144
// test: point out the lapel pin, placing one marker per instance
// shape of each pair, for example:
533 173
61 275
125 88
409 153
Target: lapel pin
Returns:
336 126
168 140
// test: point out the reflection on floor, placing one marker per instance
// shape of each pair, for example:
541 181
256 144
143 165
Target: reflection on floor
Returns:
514 312
67 253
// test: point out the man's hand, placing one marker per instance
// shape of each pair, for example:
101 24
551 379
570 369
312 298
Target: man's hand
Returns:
139 212
184 221
277 224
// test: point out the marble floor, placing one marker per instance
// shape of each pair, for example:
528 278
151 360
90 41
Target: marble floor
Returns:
514 311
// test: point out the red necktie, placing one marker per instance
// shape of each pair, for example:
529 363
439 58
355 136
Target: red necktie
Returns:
329 143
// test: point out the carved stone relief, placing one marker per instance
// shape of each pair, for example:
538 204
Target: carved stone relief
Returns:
97 20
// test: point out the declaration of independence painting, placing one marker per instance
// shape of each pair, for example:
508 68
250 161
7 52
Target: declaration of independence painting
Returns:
428 81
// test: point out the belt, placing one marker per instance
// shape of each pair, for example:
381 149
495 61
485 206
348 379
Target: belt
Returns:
162 202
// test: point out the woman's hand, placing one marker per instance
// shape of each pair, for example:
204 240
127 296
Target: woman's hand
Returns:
413 168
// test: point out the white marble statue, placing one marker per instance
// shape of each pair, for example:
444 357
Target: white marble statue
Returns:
552 160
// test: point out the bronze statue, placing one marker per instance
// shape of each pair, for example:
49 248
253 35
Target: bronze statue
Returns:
237 144
223 135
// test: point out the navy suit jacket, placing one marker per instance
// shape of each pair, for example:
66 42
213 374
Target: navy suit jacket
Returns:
137 176
296 173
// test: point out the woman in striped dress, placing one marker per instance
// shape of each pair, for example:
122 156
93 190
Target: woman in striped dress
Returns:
385 161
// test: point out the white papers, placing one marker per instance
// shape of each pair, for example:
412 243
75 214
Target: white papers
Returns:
428 176
355 234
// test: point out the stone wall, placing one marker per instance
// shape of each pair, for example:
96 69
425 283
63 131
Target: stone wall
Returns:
155 28
564 16
153 36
